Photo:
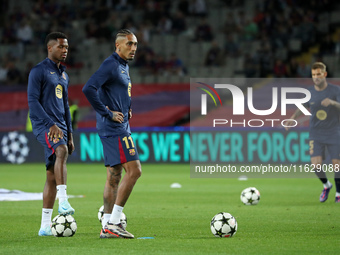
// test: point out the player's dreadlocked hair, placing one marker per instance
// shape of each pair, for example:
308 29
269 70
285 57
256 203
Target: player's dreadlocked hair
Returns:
54 36
123 33
319 65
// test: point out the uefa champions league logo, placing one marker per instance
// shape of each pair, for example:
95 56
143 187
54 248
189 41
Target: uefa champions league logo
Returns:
14 147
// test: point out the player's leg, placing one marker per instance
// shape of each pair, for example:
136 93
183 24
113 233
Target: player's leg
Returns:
49 195
113 176
60 173
336 169
133 172
317 162
317 153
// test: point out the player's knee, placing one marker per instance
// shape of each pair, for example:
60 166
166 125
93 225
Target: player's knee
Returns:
61 152
135 173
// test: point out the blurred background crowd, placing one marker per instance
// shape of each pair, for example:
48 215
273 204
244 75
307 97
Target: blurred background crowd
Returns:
177 39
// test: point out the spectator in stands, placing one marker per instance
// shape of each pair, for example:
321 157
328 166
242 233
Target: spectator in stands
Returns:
198 8
203 31
303 70
214 56
231 48
280 70
249 66
25 32
13 74
292 68
327 46
178 23
250 30
164 25
3 72
175 65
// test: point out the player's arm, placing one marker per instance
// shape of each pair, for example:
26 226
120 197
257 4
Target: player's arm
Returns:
35 81
295 115
68 120
329 102
98 79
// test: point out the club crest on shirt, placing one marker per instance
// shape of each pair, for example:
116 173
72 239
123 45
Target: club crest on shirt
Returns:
59 91
132 152
321 115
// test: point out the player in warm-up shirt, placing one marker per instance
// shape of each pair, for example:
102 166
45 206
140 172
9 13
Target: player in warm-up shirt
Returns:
51 123
109 92
324 128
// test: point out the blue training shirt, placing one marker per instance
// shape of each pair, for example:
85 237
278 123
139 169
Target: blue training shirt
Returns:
325 121
110 86
47 94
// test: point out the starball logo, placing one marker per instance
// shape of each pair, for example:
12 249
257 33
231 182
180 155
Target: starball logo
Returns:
238 105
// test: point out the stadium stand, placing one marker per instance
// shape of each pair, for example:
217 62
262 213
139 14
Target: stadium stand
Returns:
258 32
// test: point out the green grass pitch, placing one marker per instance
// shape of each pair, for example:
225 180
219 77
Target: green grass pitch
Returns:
288 220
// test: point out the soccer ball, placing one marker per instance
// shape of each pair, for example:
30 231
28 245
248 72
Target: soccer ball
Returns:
14 147
223 225
64 226
250 196
123 218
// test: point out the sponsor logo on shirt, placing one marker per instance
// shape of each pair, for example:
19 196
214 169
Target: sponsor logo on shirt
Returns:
59 91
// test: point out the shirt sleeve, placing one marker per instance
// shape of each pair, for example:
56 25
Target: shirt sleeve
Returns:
97 80
35 82
67 111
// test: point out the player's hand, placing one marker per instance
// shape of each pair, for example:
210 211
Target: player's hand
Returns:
117 116
55 133
326 102
289 124
130 113
70 144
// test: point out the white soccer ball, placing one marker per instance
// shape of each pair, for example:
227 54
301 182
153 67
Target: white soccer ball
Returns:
64 226
250 196
14 147
223 225
123 218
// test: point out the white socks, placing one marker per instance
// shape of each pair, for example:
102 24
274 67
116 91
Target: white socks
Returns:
61 193
46 218
106 219
337 194
327 185
116 213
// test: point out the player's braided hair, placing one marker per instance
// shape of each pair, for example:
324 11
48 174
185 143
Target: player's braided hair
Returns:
123 33
54 36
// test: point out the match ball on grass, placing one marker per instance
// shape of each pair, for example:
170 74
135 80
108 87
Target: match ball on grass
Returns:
123 218
250 196
64 226
223 225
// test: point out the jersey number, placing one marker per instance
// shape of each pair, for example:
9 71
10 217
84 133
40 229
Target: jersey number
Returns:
126 140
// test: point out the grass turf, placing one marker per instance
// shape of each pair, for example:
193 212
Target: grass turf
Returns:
288 220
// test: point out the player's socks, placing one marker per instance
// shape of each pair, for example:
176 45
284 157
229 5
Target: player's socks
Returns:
46 218
106 219
327 185
337 194
61 193
116 213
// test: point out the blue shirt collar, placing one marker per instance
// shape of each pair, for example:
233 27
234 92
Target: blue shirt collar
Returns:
116 56
61 68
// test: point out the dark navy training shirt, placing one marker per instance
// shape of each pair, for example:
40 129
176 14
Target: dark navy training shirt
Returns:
48 97
110 86
325 121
